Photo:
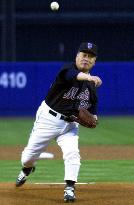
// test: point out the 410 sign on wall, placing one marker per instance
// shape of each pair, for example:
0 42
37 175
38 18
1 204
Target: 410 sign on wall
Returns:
17 88
23 85
13 80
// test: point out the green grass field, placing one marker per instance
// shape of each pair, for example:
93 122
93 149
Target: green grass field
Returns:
91 171
110 131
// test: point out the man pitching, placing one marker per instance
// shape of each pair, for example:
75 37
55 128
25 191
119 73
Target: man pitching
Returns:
70 99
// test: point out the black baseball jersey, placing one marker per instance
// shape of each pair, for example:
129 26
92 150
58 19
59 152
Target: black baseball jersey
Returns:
67 94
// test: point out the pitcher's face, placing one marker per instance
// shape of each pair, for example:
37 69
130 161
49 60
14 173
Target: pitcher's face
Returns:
85 61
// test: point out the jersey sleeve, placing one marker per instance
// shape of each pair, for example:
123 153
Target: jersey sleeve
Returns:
69 73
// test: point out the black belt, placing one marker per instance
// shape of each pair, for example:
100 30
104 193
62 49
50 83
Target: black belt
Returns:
62 117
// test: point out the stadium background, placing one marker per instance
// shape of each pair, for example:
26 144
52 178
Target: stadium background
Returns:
31 32
35 42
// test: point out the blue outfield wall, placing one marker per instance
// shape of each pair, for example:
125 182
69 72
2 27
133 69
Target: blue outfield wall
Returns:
24 85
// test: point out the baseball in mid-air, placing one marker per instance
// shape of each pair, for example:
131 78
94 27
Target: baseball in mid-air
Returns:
54 6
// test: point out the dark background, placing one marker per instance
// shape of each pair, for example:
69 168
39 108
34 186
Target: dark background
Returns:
30 31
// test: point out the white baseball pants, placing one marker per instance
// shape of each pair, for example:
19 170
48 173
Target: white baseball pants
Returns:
46 127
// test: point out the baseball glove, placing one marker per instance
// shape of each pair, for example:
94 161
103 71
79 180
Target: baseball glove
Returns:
85 118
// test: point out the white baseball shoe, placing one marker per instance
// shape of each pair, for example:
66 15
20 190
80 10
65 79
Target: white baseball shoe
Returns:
69 195
22 177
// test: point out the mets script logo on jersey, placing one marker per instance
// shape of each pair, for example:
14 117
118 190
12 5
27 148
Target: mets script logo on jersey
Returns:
83 97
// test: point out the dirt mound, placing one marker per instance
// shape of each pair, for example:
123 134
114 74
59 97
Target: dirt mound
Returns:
89 194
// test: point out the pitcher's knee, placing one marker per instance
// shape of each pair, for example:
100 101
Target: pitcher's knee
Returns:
72 157
28 161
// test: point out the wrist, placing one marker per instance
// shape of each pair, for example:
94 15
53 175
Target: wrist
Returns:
89 77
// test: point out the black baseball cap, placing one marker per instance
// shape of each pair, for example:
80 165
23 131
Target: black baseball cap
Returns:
88 47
